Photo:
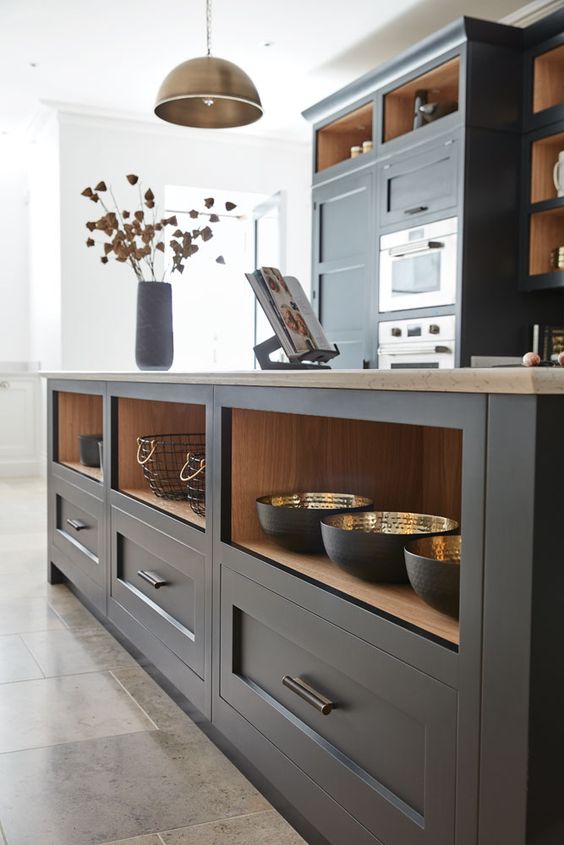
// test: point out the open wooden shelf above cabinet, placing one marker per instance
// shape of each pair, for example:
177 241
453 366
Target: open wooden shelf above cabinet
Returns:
335 140
548 79
442 86
546 233
397 600
401 467
77 413
142 418
544 156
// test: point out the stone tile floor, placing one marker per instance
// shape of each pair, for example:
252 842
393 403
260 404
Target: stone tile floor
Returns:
92 751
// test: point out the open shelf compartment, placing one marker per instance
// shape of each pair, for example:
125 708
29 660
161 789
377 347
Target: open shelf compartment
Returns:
335 140
544 156
546 233
144 417
442 86
77 413
548 79
401 467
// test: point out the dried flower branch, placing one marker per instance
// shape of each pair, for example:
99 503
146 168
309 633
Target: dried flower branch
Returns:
138 240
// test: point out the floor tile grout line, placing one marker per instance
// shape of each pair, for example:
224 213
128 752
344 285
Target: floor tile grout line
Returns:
32 655
219 819
31 748
126 691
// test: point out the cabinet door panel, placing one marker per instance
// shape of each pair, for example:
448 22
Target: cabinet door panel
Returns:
160 581
386 752
78 529
418 184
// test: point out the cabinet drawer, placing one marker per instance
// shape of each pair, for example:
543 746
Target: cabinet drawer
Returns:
420 183
78 530
160 581
386 752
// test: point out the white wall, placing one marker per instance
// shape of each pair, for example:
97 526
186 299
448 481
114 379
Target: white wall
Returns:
14 294
98 301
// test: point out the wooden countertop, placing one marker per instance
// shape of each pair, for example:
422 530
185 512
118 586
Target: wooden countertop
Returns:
518 380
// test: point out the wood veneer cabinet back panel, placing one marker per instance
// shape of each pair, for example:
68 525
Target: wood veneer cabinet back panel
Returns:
548 82
141 417
401 467
546 234
78 413
544 155
334 141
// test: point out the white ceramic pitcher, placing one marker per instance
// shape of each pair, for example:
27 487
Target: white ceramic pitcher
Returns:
558 174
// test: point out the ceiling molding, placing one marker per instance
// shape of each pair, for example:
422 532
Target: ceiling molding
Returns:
532 12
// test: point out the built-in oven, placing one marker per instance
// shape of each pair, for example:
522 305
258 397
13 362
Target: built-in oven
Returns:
416 344
418 267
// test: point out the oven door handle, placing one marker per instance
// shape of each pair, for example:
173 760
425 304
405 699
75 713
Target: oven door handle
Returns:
406 349
420 246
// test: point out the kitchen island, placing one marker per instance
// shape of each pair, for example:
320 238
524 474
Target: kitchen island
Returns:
444 732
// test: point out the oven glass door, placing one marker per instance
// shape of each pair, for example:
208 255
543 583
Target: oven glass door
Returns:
418 275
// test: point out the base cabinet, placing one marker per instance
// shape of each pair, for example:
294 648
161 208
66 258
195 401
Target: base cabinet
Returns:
160 581
385 750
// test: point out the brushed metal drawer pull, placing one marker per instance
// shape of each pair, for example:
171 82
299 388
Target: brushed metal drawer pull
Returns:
77 524
416 210
299 686
152 578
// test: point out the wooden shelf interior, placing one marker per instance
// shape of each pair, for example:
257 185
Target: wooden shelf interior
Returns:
442 86
77 413
546 233
544 155
143 417
335 140
548 79
401 467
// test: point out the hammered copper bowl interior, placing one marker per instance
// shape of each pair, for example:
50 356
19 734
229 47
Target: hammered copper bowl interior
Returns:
370 545
293 520
433 568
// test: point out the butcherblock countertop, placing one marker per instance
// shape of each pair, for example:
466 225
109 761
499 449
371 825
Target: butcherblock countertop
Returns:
520 380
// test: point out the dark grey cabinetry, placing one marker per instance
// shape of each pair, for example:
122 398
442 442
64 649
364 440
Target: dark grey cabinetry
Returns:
419 183
387 749
160 581
343 263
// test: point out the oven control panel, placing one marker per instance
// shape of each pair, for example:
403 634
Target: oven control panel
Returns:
426 330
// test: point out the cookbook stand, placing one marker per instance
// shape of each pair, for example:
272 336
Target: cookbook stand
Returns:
316 359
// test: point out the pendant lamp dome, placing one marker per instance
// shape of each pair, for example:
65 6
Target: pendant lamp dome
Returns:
208 92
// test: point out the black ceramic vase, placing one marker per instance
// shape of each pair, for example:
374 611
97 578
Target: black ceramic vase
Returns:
154 343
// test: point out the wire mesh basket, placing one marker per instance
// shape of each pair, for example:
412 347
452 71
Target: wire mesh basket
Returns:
193 473
163 456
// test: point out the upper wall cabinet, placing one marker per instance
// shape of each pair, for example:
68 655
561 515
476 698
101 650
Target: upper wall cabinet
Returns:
347 137
421 101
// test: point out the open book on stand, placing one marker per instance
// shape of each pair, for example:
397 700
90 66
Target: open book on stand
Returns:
291 316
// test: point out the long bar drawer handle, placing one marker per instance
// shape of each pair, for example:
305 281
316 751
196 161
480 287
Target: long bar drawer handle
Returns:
416 209
299 686
152 578
77 524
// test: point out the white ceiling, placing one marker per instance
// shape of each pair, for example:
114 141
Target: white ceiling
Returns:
112 54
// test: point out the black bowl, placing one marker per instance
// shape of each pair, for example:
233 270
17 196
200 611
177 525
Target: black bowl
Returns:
370 545
293 520
433 568
89 450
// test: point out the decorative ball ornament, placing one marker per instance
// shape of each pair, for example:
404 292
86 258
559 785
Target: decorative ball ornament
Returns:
531 359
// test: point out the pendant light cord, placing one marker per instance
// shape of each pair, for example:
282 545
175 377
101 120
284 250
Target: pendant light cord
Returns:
208 24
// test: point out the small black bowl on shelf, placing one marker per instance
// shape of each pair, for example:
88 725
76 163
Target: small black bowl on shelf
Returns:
89 449
370 545
293 520
433 568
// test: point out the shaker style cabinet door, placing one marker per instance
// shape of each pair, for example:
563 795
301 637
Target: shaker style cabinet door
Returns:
376 734
418 184
342 264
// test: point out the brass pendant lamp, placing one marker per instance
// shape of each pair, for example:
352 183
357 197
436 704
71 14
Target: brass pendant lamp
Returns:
208 92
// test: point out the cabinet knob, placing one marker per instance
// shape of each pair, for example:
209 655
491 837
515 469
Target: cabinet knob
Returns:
396 332
434 329
4 385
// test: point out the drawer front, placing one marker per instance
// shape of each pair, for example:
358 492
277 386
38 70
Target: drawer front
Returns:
386 752
419 184
78 529
160 581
